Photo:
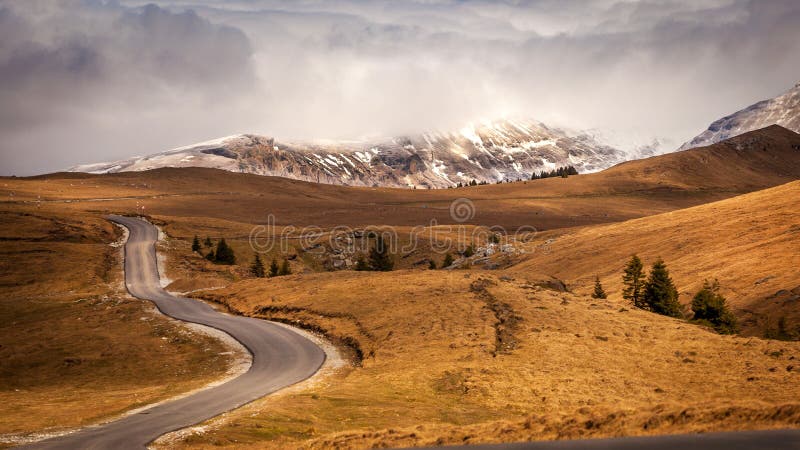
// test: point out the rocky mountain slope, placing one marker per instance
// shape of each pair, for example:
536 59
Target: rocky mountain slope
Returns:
490 152
783 110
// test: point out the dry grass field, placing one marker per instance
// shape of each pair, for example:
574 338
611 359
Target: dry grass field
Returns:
471 356
75 348
751 243
439 357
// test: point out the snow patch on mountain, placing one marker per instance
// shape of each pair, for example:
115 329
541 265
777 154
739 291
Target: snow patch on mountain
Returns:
489 151
783 110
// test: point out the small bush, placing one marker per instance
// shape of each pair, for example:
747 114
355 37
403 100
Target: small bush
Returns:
709 307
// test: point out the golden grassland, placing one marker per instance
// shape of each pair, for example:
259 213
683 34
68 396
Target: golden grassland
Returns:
750 162
75 348
461 356
473 356
751 243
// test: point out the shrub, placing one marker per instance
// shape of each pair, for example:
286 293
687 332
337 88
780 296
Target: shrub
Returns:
448 261
709 306
273 268
285 269
361 264
379 257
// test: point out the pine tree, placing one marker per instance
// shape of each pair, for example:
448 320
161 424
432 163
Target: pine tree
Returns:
224 253
285 269
660 294
195 244
709 306
598 289
273 268
448 261
633 279
432 265
257 269
379 257
208 242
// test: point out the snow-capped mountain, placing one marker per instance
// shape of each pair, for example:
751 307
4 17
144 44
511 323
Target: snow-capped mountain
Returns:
783 110
489 151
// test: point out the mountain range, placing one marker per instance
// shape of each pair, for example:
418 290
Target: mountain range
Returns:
489 152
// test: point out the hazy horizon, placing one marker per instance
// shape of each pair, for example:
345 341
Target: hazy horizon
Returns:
90 81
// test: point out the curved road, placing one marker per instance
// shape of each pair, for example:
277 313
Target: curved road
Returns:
281 358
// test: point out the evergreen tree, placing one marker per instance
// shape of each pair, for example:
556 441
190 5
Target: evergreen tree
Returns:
432 265
208 242
379 257
361 264
285 269
633 280
448 261
224 253
709 306
273 268
257 269
660 294
598 289
195 244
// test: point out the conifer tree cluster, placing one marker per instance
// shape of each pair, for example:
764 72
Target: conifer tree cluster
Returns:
562 172
223 254
276 270
471 183
657 293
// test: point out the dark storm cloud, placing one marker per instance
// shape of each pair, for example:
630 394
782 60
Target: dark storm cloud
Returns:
92 76
77 79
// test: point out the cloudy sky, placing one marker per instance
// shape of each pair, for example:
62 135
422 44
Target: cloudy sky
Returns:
88 81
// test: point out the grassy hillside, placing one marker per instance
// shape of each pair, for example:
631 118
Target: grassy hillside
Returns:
751 243
467 357
442 357
75 347
749 162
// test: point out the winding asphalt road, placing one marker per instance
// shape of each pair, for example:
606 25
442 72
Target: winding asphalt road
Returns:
281 358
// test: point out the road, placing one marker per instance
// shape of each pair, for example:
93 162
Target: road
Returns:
281 358
734 440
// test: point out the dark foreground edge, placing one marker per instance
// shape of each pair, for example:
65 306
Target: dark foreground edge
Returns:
733 440
281 358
